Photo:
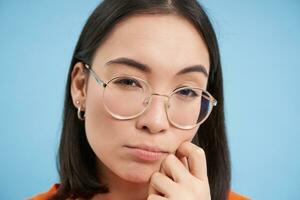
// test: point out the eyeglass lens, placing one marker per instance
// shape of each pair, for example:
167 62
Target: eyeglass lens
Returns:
126 97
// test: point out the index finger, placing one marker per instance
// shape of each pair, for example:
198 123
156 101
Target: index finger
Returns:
196 159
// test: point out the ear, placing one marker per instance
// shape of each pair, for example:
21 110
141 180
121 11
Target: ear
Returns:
78 88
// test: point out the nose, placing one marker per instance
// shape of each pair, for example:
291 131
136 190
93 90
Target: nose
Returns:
154 119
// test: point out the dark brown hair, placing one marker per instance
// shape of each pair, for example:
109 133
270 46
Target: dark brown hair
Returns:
77 161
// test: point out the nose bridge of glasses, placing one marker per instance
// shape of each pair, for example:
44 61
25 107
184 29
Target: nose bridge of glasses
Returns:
162 95
159 95
149 98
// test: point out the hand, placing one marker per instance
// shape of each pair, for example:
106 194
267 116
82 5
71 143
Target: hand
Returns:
183 176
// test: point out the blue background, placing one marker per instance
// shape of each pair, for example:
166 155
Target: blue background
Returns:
260 48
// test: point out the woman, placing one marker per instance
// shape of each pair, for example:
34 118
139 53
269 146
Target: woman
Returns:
143 78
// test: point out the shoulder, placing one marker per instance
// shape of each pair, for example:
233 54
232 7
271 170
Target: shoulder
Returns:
46 195
235 196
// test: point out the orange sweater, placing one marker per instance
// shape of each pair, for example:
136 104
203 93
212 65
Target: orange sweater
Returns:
53 189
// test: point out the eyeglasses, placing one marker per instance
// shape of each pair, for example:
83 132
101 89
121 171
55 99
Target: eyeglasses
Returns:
127 97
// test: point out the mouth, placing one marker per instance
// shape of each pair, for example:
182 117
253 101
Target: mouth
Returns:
146 153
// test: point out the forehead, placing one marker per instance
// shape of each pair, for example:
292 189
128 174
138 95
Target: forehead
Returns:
166 43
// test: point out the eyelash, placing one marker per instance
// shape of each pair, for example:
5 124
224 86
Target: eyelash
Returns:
194 94
124 83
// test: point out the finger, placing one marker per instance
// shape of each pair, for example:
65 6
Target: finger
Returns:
161 185
196 159
184 162
152 190
156 197
163 171
174 168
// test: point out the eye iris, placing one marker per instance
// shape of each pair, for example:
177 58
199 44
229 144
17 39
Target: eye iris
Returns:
127 82
187 92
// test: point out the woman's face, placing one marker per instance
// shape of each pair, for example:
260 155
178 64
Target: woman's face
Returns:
166 44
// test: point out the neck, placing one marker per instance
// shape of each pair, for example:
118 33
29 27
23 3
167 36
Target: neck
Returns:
120 188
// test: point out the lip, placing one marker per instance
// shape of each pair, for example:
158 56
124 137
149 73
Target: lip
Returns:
146 153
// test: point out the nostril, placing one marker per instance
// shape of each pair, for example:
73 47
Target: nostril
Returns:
146 129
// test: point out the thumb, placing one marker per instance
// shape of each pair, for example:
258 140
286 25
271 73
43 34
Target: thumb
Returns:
151 189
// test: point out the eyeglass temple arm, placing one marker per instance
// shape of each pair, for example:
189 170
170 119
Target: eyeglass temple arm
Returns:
212 99
95 75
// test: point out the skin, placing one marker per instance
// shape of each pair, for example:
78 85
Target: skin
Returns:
167 44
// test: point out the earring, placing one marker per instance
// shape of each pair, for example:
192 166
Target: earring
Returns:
79 112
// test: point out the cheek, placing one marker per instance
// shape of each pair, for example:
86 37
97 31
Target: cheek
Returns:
192 133
97 122
180 136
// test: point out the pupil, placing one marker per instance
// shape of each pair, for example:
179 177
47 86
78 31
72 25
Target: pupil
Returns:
185 92
128 82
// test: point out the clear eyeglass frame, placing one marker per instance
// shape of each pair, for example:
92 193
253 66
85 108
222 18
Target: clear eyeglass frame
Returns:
212 100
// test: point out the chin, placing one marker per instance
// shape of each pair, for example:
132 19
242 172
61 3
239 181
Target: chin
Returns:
138 176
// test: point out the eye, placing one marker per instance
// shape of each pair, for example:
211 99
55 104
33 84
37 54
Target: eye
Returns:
127 82
188 93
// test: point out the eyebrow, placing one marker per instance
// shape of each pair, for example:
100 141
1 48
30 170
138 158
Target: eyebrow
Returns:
145 68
